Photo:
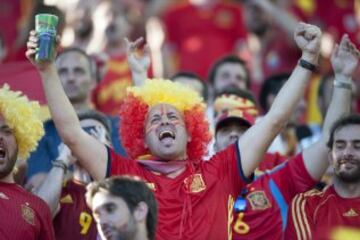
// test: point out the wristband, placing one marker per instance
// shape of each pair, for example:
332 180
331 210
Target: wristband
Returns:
343 84
61 164
307 65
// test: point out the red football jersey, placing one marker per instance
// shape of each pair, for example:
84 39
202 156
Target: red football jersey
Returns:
23 215
109 93
270 161
74 220
202 35
267 200
200 211
315 214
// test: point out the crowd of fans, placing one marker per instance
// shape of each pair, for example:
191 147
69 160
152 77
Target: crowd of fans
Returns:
181 119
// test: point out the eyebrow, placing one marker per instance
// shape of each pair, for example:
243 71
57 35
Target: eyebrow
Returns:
5 126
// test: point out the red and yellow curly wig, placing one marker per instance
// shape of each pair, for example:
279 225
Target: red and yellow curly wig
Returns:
139 100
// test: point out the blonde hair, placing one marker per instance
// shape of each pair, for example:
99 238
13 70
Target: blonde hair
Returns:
23 116
156 91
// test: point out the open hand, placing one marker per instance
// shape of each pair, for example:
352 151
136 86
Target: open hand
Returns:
345 58
138 63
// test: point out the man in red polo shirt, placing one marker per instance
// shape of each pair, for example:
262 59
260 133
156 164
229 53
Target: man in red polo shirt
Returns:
164 130
23 215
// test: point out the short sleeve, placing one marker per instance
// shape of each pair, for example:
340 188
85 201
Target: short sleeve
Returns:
227 165
118 165
292 177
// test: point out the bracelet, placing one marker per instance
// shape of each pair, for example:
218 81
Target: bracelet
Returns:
61 164
343 84
307 65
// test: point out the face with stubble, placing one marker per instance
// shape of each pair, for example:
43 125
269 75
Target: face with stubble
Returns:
345 154
8 149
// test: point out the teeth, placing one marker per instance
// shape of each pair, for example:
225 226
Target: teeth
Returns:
166 134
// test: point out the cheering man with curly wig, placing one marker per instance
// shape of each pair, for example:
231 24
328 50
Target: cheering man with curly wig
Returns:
165 133
23 215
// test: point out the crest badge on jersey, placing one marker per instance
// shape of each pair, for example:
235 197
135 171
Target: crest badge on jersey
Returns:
258 200
197 184
28 214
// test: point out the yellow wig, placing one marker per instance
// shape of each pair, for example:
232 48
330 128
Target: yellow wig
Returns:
23 116
157 91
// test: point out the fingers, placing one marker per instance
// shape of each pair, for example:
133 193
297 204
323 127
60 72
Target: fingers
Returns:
312 32
32 45
335 52
147 50
299 30
348 46
308 31
138 42
133 46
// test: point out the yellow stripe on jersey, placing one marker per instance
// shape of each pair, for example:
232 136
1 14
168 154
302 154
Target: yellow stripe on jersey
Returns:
296 218
306 223
299 218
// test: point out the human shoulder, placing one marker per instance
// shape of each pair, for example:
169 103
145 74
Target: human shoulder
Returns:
313 199
33 201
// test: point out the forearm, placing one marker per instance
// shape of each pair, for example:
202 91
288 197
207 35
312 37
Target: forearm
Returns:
288 97
340 105
62 112
316 157
139 78
282 17
50 189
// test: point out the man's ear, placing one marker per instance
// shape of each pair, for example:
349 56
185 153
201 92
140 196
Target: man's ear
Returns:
141 211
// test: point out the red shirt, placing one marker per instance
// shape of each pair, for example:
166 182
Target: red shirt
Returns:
23 215
280 54
268 198
314 214
200 35
270 161
74 220
205 209
109 93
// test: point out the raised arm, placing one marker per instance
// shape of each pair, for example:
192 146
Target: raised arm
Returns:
344 61
139 64
254 143
91 153
50 189
282 17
